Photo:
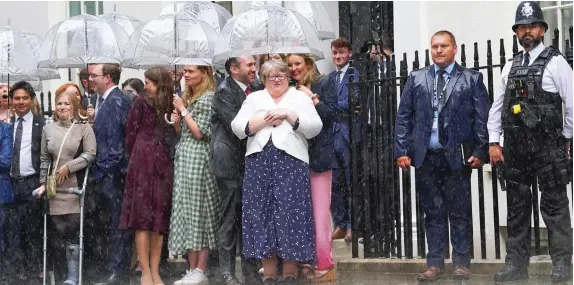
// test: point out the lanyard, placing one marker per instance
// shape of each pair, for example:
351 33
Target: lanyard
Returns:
435 99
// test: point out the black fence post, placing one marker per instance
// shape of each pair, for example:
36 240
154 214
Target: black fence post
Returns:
42 103
427 58
462 55
355 194
480 182
556 39
514 45
49 103
406 174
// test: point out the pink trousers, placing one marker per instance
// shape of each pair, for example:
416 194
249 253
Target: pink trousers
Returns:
321 195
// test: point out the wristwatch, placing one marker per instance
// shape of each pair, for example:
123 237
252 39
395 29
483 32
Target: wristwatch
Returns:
493 144
184 114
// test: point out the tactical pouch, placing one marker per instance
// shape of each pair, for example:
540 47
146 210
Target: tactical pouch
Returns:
528 116
562 168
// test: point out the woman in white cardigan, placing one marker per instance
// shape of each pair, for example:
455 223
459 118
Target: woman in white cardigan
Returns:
277 205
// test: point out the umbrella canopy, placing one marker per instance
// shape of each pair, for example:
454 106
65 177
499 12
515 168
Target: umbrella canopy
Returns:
170 40
213 14
18 54
267 29
82 40
126 23
313 11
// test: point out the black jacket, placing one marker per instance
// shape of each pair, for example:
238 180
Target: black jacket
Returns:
228 151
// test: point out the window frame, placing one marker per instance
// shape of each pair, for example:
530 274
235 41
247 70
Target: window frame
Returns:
98 3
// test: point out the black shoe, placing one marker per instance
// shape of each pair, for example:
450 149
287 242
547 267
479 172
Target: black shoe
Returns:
113 279
291 281
511 273
269 281
254 280
561 273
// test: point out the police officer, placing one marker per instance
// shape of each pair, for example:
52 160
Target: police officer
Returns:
528 108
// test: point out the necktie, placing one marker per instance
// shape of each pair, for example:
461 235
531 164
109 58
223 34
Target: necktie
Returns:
15 171
247 91
440 85
100 101
339 77
526 59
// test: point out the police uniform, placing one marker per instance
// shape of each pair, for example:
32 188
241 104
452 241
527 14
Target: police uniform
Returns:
528 108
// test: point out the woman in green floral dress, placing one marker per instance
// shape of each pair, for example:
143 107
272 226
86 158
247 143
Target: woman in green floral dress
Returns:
194 219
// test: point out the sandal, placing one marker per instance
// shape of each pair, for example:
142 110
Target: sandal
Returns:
327 275
306 270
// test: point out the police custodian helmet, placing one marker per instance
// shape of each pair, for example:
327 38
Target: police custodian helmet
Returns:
528 12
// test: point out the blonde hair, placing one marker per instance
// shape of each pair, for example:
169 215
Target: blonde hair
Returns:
207 84
312 74
73 103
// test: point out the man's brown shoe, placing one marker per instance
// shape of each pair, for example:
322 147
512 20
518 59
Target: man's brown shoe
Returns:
348 236
430 274
461 273
338 233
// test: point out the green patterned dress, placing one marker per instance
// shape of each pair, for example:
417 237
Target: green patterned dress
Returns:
194 217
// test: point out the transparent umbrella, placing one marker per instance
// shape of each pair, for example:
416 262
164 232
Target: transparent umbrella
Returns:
126 23
213 14
313 11
170 40
267 29
17 55
81 40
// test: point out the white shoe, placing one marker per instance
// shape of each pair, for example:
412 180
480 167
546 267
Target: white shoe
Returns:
260 271
198 278
186 278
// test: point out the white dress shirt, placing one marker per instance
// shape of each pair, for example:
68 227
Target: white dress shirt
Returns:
284 137
26 166
241 85
557 77
105 96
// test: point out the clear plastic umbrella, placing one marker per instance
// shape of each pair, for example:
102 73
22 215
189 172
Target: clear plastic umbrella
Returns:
313 11
170 40
126 23
17 55
213 14
267 29
81 40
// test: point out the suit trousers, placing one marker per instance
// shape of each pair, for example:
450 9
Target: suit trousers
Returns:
118 243
445 196
341 198
554 206
23 226
230 229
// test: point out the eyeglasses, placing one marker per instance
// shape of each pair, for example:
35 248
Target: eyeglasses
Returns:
277 77
92 75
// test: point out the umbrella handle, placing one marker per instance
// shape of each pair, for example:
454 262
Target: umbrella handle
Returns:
167 119
82 117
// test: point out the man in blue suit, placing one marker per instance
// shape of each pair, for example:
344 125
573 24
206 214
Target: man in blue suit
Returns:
112 110
441 131
340 197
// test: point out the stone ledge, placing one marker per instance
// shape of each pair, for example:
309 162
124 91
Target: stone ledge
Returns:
539 265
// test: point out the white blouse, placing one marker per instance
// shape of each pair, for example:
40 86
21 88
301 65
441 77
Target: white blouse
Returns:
292 142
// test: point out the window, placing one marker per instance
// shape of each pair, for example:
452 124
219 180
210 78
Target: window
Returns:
89 7
558 14
225 4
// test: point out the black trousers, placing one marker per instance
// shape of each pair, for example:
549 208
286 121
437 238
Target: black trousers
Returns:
23 226
230 229
524 161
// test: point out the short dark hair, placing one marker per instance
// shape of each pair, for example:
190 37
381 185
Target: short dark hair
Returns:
84 74
22 85
445 32
134 83
341 43
113 70
232 61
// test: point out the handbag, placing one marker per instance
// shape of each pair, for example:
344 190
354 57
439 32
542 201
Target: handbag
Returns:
51 179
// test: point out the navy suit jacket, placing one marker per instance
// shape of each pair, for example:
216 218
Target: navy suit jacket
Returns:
321 147
342 124
109 128
6 148
462 116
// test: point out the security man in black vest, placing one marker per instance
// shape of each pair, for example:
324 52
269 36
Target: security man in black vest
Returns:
528 108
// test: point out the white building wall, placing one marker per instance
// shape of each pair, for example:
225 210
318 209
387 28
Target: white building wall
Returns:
470 22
